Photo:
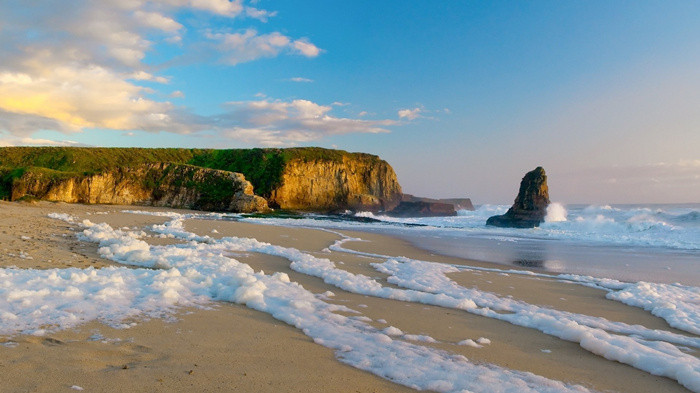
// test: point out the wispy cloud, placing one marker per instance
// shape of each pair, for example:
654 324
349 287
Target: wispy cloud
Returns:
410 114
300 80
276 123
250 45
12 141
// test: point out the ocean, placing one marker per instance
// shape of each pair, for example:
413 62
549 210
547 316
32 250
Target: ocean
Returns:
656 243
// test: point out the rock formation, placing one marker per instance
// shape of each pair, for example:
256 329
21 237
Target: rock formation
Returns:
172 185
423 209
458 203
310 179
530 207
337 185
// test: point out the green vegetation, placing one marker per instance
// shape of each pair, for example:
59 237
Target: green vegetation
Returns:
89 160
262 167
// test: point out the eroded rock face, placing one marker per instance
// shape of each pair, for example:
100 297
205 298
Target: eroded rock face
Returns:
323 185
530 207
171 185
309 178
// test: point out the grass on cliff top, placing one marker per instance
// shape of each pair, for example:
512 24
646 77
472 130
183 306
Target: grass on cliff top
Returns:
89 160
262 167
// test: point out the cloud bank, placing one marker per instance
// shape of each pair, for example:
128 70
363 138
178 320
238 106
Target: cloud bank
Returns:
69 67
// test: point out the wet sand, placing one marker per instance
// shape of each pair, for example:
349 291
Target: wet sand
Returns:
232 348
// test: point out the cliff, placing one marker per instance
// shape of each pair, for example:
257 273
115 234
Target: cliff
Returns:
530 206
311 179
367 184
172 185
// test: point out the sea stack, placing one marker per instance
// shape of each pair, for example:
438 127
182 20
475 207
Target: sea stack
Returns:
530 206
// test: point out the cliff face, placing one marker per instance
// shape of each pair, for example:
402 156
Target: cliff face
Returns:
530 206
172 185
331 185
309 178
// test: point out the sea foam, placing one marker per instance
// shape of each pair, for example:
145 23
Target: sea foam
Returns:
199 271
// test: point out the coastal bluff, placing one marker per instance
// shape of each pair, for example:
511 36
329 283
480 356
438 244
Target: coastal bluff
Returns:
530 206
236 180
163 184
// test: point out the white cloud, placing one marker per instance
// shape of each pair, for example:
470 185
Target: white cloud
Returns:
410 114
262 15
249 45
80 97
145 76
26 141
306 48
70 66
177 94
275 123
222 7
158 21
300 80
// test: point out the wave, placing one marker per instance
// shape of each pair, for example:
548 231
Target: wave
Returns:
692 217
667 227
556 212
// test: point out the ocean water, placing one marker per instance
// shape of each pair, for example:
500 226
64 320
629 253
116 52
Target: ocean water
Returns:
658 243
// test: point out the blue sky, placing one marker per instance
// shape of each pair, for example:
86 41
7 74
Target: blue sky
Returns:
462 98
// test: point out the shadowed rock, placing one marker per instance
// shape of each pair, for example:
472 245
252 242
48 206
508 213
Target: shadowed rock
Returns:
458 203
423 209
530 207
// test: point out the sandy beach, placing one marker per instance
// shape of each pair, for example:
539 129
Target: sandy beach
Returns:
223 346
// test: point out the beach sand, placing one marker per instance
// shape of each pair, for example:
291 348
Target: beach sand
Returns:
229 347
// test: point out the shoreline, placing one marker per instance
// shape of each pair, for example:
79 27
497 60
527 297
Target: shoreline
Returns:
511 346
629 263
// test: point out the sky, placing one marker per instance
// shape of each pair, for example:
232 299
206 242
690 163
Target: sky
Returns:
462 98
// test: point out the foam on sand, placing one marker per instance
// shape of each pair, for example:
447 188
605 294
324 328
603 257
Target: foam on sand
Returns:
426 282
197 272
200 270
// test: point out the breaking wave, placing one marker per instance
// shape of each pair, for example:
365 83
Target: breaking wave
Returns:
666 226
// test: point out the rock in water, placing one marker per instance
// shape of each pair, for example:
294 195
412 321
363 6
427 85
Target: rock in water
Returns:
530 205
422 209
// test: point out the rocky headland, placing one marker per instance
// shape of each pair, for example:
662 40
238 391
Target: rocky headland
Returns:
530 206
236 180
162 184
